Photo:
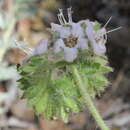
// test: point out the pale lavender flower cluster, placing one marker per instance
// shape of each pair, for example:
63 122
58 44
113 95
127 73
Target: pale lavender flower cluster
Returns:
70 37
73 37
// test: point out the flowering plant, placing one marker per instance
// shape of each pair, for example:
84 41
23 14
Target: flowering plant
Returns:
64 72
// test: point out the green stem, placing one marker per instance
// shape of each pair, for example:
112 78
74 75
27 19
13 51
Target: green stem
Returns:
88 100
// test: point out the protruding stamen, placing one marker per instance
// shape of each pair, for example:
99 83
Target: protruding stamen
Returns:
108 21
114 30
70 14
61 17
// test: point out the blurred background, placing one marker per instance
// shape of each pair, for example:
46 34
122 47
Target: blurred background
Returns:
28 20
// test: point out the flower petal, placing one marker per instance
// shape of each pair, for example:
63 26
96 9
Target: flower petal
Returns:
41 47
70 54
82 43
99 49
59 44
82 21
89 31
77 30
64 31
101 34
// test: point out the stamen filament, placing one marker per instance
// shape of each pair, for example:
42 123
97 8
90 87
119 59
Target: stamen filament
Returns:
113 30
70 14
62 16
60 19
108 22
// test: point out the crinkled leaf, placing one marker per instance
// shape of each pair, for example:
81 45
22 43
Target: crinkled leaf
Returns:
50 86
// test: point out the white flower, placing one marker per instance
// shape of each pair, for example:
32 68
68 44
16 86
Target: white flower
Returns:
41 47
97 38
71 37
59 44
70 54
63 31
82 43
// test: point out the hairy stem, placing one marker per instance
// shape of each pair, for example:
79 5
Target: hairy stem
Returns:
88 100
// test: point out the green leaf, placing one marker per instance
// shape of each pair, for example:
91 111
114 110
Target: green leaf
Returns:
50 86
